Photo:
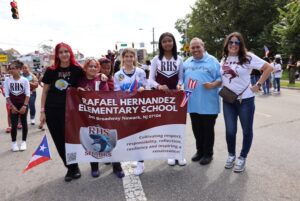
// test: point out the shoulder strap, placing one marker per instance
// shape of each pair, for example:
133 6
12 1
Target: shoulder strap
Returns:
244 89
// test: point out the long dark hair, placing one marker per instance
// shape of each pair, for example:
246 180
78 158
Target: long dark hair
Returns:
160 48
56 64
242 54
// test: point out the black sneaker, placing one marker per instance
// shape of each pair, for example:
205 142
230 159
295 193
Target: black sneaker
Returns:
206 160
95 173
69 176
196 157
120 174
76 173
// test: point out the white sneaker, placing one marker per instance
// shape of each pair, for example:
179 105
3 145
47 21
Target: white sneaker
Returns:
171 162
23 146
134 164
32 121
140 167
182 162
14 146
230 162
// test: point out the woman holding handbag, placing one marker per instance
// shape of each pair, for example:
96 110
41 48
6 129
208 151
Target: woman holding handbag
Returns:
236 66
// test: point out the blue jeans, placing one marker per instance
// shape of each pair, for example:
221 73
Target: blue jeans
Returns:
254 79
245 112
32 104
277 84
266 86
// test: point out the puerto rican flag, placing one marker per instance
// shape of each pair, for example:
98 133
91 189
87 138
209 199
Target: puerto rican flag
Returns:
41 155
192 84
134 86
266 51
186 97
187 93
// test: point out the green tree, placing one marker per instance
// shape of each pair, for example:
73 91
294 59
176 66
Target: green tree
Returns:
288 28
212 20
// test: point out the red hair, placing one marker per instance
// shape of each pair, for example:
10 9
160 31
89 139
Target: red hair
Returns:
73 61
88 61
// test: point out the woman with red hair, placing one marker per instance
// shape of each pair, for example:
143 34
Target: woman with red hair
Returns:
63 74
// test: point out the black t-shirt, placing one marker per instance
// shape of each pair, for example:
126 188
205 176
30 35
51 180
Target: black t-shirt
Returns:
59 80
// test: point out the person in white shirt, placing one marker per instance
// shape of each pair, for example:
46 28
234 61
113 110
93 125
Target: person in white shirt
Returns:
17 93
166 72
277 74
236 66
129 79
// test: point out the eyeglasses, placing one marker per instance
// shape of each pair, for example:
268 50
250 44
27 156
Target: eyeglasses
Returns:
63 52
236 42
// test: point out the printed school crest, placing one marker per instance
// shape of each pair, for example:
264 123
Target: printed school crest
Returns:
61 84
97 141
121 77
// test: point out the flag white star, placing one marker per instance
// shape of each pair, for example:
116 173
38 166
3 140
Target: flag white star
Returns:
42 148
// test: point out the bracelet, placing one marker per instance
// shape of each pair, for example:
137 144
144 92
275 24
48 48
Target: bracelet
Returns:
25 105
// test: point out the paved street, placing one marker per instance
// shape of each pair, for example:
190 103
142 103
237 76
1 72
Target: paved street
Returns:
272 171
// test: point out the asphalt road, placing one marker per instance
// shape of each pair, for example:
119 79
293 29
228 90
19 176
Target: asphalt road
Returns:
272 171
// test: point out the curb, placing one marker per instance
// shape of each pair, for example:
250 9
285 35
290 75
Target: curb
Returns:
293 88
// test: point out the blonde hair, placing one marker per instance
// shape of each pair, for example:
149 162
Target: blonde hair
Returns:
131 51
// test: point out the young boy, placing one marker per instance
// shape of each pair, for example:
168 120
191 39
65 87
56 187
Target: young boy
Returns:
17 93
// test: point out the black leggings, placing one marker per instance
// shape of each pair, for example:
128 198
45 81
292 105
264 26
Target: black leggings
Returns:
55 119
14 118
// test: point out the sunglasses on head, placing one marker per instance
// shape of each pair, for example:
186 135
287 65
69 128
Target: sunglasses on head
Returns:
235 42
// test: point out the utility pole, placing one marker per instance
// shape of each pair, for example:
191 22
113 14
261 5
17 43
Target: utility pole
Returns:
153 42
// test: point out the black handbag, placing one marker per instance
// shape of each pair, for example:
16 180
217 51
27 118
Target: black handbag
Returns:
228 95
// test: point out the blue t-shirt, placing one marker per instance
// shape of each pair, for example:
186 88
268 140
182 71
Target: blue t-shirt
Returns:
207 69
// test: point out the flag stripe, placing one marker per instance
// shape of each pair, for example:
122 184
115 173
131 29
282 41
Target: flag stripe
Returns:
36 162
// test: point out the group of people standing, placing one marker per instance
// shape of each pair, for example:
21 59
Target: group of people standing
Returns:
273 79
168 71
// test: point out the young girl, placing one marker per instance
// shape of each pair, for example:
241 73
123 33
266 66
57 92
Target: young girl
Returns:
63 74
17 92
166 71
277 74
92 82
8 129
106 69
126 80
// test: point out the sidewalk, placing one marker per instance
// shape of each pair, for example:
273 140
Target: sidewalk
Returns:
285 84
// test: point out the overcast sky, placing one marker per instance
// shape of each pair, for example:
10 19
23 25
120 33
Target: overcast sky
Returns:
90 26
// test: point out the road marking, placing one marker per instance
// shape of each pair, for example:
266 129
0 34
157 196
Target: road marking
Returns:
133 188
263 114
